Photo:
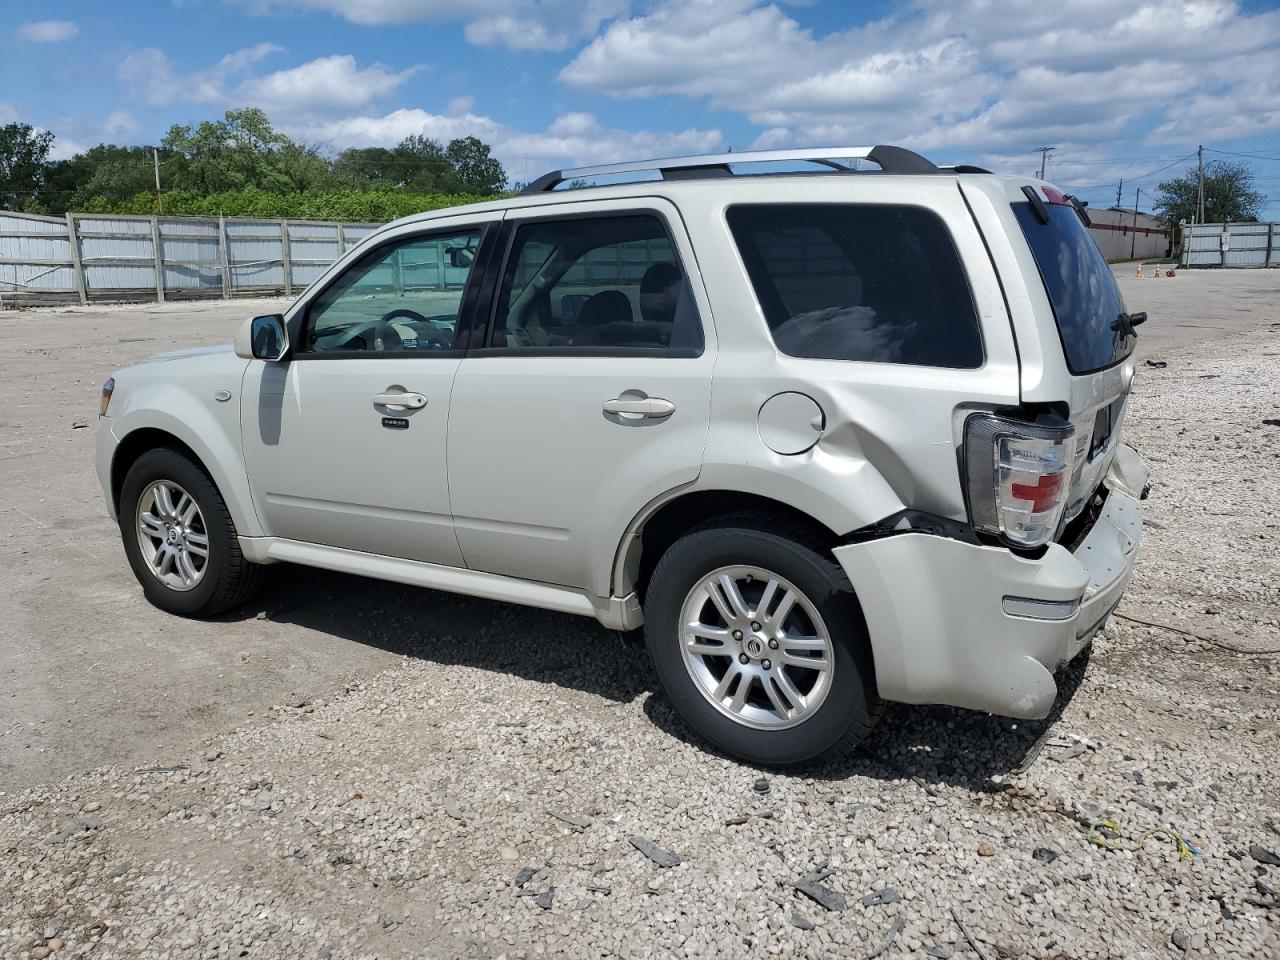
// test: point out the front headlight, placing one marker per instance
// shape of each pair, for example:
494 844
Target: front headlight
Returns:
107 389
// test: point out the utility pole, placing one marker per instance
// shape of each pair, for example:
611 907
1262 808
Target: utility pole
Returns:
1200 192
1119 187
155 156
1133 240
1044 155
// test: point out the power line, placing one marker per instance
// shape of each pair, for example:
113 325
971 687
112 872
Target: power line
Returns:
1117 160
1251 156
1099 186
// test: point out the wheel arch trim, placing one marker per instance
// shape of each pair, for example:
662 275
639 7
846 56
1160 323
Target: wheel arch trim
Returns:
764 488
218 454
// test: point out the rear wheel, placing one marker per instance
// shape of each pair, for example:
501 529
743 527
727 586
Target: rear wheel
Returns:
755 635
180 539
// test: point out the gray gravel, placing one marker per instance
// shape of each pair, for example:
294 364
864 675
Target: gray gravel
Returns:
481 801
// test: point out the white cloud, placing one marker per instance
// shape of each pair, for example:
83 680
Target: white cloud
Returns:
149 74
65 147
48 31
573 139
119 126
460 105
380 12
514 34
327 85
514 24
989 74
72 135
8 112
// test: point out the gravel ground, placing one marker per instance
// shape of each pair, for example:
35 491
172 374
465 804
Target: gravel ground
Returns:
491 800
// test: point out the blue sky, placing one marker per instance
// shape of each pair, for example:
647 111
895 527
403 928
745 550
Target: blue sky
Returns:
1121 91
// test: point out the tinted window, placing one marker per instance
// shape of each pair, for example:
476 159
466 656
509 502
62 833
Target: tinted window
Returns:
1086 301
859 282
402 296
596 283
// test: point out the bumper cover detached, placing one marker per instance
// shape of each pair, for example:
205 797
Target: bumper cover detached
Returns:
981 627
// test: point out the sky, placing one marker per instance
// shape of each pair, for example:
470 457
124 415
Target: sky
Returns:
1121 91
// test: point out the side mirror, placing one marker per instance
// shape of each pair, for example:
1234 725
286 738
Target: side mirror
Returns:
263 338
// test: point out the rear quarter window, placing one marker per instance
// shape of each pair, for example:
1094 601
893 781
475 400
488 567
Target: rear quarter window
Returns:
871 282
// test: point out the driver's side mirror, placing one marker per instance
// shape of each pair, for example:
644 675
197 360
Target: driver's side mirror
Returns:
263 338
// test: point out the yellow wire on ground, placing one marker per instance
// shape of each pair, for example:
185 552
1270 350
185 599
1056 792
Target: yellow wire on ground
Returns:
1186 850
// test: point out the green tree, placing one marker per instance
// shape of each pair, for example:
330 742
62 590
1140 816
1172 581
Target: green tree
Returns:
241 159
365 168
241 150
1228 194
477 170
426 167
24 153
106 171
417 164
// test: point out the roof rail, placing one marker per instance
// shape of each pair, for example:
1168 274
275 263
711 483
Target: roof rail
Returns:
890 159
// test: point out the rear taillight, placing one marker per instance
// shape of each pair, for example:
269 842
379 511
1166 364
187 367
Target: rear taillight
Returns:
1018 477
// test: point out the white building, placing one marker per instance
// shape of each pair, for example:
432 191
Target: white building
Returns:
1123 235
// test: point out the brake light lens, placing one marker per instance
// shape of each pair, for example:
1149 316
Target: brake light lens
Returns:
1018 477
107 389
1054 195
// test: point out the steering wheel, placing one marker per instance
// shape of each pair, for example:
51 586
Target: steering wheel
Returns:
373 333
402 313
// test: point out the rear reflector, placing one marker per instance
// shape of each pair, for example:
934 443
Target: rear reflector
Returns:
1040 609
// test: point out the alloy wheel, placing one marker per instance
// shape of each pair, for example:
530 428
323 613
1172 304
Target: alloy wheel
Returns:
172 535
756 647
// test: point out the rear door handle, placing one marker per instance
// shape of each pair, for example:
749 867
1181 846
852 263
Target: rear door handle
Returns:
640 408
400 401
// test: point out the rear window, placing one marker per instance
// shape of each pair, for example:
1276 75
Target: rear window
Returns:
1086 301
871 282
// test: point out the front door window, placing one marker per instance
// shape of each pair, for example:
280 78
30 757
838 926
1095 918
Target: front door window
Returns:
403 296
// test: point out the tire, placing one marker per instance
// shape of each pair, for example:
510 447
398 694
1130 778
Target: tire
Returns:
840 706
223 578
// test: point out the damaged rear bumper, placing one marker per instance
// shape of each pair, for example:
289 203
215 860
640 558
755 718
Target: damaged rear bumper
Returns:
982 627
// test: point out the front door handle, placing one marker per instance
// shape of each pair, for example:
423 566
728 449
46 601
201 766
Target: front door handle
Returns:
640 408
400 401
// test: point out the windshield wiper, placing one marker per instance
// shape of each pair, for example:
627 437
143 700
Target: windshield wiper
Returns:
1125 323
1079 206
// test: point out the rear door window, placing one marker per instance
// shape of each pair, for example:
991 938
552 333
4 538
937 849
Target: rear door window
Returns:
871 282
599 285
1082 290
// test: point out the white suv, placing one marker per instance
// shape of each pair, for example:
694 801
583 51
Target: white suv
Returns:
832 437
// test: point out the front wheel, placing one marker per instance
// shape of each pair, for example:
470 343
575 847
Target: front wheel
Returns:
180 539
756 637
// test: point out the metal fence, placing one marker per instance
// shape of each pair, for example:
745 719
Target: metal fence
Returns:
1231 245
90 258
